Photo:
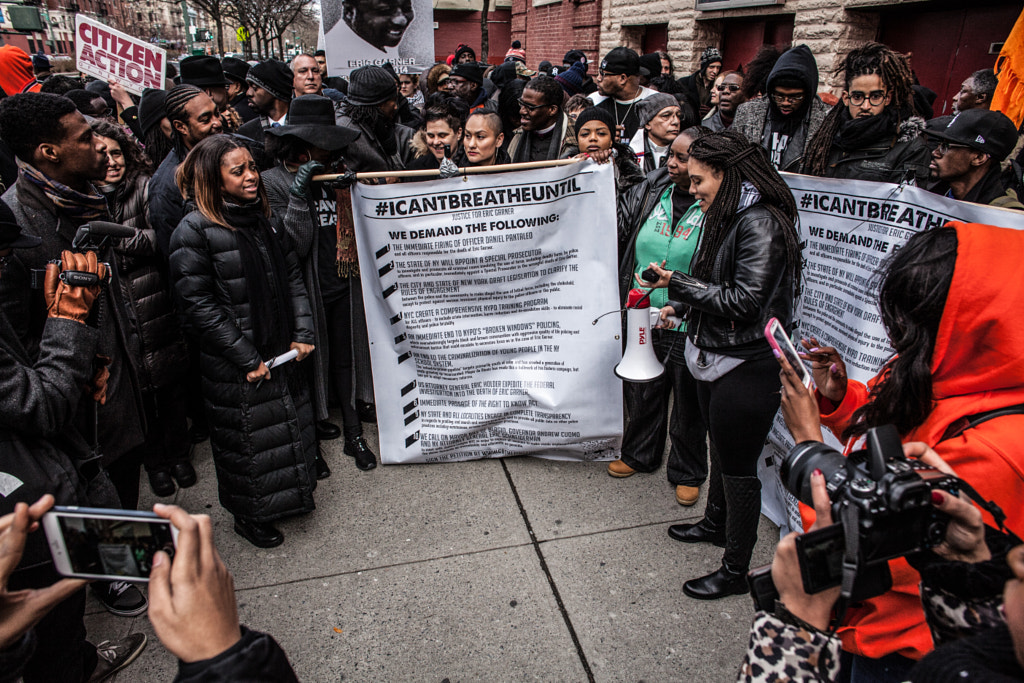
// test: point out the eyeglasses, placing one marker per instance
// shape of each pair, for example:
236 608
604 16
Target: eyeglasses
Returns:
731 87
531 107
944 147
779 98
875 97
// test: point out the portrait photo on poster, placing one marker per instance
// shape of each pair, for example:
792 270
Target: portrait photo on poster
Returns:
362 32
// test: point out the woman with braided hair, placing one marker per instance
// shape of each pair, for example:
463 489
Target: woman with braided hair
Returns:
746 270
872 133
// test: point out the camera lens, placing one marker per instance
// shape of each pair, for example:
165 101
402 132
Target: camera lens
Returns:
802 460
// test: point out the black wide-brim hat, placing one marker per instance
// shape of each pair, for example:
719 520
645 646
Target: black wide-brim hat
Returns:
202 71
311 119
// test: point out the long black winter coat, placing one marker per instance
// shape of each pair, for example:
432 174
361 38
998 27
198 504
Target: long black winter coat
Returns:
263 439
157 340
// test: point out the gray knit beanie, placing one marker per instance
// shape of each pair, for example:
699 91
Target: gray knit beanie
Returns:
371 85
647 109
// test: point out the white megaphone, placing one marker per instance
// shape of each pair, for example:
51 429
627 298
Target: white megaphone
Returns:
639 363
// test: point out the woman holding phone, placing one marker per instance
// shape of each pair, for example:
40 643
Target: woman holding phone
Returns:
238 282
961 397
746 270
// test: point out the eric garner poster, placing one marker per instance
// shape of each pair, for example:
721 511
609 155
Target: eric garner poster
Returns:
361 32
848 228
480 293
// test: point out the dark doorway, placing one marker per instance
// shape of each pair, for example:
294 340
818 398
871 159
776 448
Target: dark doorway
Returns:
741 38
948 45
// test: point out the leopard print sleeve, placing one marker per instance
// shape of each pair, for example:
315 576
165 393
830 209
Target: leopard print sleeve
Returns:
779 651
951 617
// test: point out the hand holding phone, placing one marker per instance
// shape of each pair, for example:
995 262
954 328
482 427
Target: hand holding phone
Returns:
21 610
192 600
98 543
780 342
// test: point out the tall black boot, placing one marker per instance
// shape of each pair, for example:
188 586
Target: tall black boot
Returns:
743 504
711 529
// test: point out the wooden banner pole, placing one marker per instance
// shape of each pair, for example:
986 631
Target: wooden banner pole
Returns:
434 172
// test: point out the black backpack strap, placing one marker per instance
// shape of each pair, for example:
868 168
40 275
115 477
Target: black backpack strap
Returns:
969 421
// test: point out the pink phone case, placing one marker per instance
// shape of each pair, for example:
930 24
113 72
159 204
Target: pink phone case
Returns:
806 377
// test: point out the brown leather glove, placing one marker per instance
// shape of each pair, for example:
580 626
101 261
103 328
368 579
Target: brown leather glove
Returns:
72 303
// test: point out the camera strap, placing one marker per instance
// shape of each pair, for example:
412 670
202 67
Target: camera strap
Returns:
990 507
962 425
850 518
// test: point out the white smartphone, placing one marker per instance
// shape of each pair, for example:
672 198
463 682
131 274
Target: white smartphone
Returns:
779 340
96 543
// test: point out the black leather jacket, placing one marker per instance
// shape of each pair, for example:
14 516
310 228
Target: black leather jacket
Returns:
634 206
750 283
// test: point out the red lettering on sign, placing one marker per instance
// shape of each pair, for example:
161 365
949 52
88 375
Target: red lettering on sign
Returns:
643 336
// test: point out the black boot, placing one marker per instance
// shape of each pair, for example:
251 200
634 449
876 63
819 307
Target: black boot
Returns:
161 483
711 529
322 470
357 448
260 534
743 505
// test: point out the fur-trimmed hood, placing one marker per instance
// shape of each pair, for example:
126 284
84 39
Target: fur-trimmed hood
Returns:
911 128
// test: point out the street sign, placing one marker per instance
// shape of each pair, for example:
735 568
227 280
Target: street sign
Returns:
242 34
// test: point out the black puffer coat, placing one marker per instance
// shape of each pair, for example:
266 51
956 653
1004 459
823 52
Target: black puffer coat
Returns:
157 340
263 438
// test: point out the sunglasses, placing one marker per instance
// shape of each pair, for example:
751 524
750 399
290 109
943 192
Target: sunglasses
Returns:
531 107
731 87
779 98
944 147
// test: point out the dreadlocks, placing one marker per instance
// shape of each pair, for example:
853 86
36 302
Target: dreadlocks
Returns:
731 154
177 99
870 59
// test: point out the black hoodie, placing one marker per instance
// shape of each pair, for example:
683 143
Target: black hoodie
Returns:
781 130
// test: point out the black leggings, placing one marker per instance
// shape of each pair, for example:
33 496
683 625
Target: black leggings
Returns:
738 410
338 314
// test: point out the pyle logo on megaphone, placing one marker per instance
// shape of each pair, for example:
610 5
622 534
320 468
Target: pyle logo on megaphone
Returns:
639 362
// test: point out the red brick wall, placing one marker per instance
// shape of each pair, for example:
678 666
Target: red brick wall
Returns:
458 26
549 31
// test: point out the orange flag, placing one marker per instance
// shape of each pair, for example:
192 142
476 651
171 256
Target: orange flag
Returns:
1009 68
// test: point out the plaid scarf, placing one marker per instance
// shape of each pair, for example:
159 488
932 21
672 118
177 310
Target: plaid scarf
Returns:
347 256
76 206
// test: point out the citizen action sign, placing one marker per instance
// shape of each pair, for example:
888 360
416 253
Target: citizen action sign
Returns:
110 55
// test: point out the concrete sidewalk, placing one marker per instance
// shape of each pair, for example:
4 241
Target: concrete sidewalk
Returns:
521 569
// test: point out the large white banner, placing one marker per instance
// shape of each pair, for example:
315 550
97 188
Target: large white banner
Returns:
110 55
480 293
361 32
849 228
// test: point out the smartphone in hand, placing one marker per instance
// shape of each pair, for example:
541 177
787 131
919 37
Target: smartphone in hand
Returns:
779 340
98 543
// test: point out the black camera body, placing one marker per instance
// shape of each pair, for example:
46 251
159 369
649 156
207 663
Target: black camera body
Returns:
879 496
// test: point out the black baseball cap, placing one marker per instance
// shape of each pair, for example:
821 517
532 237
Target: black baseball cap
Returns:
622 60
991 132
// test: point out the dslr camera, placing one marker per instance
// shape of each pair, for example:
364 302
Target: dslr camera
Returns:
881 503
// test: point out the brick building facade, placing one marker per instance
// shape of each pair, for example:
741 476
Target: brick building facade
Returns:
458 21
550 28
947 40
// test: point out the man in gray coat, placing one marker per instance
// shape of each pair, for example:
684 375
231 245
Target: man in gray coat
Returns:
789 114
41 453
59 159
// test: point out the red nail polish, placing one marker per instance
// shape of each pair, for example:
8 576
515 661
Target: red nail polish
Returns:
818 472
936 497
